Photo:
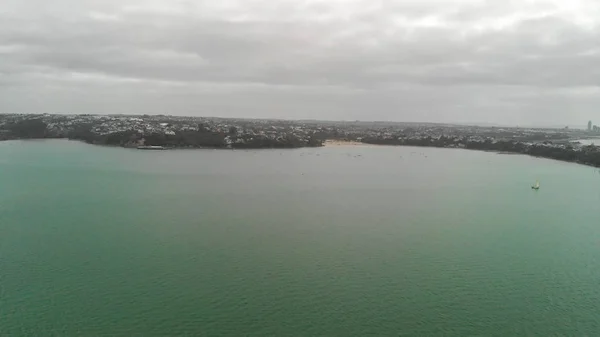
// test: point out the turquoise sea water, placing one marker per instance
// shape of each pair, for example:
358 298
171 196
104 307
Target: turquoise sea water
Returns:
340 241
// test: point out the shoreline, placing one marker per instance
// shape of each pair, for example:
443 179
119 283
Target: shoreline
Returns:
334 142
327 143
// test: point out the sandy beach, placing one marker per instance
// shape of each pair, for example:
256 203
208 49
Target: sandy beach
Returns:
333 142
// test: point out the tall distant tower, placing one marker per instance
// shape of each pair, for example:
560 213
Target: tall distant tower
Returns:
590 126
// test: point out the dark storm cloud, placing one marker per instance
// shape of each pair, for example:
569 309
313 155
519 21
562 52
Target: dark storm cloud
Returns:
432 60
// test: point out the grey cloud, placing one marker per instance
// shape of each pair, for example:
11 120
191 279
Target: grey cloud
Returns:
467 61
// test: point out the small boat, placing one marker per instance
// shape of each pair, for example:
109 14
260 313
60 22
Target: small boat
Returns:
536 186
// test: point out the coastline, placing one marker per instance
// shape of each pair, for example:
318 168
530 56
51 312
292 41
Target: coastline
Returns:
334 142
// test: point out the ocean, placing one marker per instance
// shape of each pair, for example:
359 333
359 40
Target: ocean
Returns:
334 241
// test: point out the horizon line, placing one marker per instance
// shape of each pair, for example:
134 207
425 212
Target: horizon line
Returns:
480 124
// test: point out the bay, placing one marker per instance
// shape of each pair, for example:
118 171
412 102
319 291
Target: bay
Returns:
335 241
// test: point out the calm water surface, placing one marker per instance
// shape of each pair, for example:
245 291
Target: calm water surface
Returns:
341 241
590 141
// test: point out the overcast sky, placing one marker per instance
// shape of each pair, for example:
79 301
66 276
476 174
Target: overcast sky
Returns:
519 62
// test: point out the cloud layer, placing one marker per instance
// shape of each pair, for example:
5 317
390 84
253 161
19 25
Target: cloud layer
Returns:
509 62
